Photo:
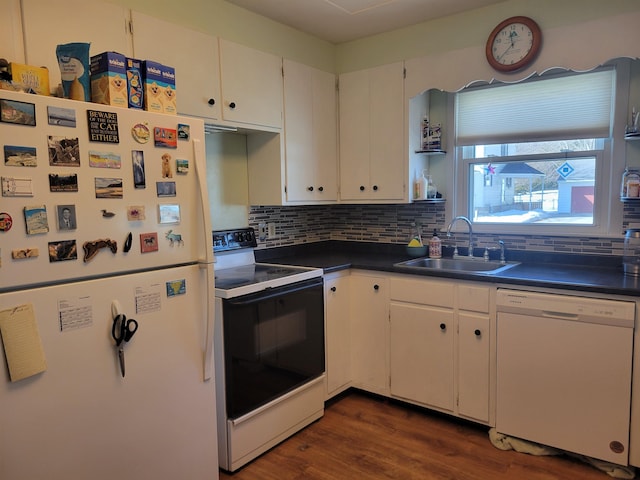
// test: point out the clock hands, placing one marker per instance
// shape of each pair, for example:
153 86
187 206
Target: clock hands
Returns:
513 44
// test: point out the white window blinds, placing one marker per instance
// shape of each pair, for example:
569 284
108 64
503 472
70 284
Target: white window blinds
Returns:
558 108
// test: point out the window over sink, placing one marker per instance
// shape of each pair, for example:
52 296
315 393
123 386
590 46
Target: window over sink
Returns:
536 156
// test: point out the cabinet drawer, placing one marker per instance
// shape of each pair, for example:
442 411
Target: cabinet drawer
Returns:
473 298
425 292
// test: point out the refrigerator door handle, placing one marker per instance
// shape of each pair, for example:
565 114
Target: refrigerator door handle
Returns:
206 261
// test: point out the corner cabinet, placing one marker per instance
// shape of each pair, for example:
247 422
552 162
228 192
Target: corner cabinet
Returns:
440 345
372 140
197 82
310 117
298 166
251 83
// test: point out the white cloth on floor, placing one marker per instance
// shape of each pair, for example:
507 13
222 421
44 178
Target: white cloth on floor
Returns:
505 442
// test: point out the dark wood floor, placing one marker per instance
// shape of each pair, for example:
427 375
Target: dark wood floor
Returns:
361 436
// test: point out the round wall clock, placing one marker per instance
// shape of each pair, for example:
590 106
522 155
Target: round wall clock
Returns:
513 44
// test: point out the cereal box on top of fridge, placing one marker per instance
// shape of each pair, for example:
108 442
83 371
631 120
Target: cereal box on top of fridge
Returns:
35 78
135 87
109 79
159 87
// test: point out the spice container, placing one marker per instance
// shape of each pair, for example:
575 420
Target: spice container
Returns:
630 186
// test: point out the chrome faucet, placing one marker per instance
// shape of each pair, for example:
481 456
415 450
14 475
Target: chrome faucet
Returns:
470 231
503 259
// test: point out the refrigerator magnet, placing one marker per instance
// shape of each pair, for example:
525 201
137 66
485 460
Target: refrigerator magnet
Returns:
166 189
103 126
140 133
92 248
174 238
108 187
136 213
184 131
176 287
20 113
36 221
168 214
148 242
16 187
182 167
17 156
63 151
63 250
61 117
167 171
6 222
63 183
139 178
22 253
165 137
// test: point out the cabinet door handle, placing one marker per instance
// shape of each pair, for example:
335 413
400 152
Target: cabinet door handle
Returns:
477 332
333 289
310 189
362 188
375 187
321 189
211 101
232 105
376 287
443 326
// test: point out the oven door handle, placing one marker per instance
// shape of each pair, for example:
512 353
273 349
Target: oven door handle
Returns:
274 292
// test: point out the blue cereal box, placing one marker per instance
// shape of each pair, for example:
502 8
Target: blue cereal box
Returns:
135 88
159 87
109 79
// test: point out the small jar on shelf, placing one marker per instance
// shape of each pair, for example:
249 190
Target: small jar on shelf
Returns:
630 186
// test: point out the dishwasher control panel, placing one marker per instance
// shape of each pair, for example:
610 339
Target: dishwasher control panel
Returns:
568 307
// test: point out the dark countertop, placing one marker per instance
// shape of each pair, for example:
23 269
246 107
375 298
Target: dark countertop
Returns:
586 273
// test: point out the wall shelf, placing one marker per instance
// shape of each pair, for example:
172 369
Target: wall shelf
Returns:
434 152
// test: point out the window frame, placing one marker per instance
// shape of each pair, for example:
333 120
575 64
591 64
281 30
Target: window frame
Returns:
602 166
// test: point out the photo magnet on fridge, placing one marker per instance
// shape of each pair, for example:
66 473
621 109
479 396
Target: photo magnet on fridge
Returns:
63 151
36 221
20 113
15 156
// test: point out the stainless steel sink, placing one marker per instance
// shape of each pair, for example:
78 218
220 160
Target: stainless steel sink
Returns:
459 264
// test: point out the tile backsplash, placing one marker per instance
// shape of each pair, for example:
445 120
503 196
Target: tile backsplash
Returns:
392 223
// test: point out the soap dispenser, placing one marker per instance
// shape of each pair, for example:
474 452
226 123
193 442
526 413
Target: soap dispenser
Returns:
435 246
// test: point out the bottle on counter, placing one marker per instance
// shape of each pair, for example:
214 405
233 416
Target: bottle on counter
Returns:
435 246
415 239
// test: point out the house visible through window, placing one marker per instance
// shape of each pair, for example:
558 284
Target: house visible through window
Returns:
534 153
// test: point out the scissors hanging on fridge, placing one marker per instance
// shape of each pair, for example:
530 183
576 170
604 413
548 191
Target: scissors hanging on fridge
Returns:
122 331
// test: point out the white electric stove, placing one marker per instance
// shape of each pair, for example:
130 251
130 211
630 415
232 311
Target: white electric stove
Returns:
237 273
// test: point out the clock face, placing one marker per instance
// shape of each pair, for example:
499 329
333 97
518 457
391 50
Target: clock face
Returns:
513 44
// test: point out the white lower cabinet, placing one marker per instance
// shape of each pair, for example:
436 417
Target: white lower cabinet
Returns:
440 345
337 333
369 319
421 350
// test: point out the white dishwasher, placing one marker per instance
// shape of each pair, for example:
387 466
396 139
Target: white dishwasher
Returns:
564 371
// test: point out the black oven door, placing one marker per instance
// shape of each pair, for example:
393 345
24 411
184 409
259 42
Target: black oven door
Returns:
273 343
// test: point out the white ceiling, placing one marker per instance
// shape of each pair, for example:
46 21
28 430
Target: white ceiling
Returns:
340 21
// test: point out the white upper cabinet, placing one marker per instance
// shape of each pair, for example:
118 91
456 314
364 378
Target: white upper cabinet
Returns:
11 45
193 54
372 147
310 134
251 83
47 24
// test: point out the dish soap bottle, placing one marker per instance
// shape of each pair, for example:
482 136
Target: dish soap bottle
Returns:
435 246
415 240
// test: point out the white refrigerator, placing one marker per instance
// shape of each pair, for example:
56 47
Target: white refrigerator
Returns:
104 212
